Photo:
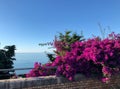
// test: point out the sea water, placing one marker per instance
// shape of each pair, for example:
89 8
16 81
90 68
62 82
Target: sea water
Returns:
27 60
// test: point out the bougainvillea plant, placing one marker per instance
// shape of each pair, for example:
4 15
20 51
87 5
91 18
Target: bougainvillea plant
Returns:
41 70
92 57
62 44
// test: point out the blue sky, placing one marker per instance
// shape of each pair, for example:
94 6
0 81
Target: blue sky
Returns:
26 23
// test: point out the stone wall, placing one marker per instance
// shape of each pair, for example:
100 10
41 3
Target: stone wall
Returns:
53 82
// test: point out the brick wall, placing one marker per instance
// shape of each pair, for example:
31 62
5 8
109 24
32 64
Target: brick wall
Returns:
86 83
52 82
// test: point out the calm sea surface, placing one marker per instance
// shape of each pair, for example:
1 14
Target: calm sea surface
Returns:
27 60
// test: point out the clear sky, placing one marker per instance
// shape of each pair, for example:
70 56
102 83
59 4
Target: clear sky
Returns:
26 23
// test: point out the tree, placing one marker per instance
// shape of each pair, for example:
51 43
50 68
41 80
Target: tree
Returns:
63 42
6 60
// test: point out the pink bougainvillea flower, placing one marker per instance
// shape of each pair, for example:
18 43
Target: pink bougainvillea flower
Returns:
93 56
105 80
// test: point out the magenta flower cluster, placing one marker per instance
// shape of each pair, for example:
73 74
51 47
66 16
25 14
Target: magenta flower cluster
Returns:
92 57
40 70
100 57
